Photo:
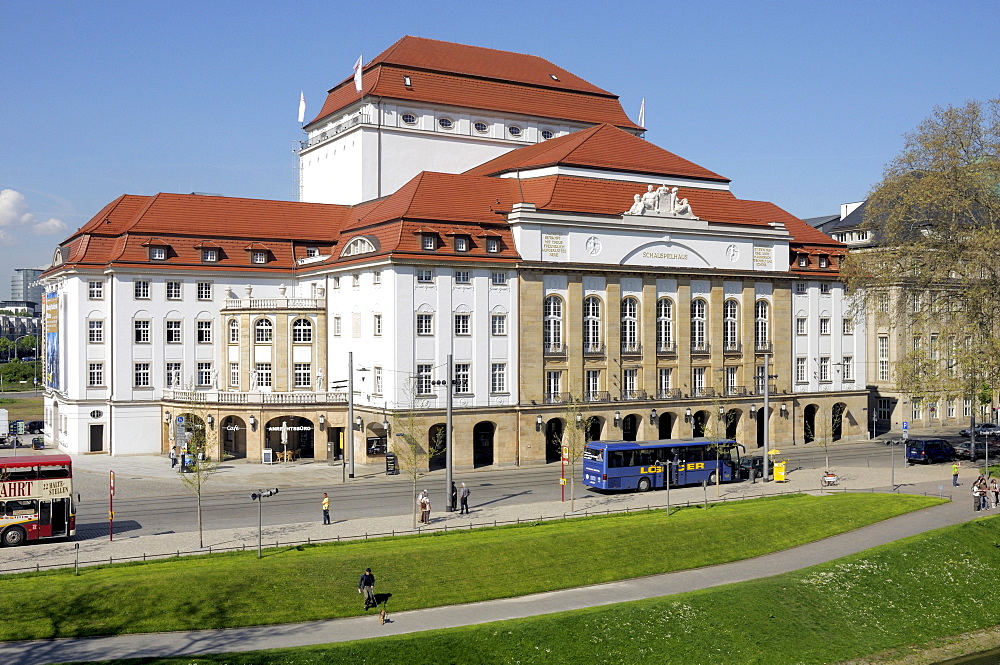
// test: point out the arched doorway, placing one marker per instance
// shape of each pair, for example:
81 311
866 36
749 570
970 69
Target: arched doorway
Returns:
435 447
189 434
376 442
665 425
482 444
809 422
732 417
553 440
594 427
700 419
630 427
234 437
837 421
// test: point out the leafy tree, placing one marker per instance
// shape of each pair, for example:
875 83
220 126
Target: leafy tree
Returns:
932 274
202 468
412 456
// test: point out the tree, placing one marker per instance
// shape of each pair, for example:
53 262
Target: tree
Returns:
202 468
574 440
932 274
412 457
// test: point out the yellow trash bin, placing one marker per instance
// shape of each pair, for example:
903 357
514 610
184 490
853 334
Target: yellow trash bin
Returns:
779 472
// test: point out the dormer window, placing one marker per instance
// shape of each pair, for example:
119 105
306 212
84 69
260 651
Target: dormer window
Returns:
824 262
258 256
492 245
406 81
428 242
461 244
209 255
359 245
803 261
158 253
312 251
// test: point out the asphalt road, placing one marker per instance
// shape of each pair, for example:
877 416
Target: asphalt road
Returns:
149 506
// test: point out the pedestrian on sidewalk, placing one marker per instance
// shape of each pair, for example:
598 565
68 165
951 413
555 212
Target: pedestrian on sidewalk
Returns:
954 474
463 495
454 498
173 456
366 586
326 508
995 488
425 508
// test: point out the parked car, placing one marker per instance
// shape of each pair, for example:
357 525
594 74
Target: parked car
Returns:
982 429
928 451
755 463
964 450
34 426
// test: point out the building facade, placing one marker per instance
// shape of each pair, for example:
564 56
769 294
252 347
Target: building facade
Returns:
568 268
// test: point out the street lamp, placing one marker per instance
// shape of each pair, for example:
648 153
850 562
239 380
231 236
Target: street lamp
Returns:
538 424
652 417
618 419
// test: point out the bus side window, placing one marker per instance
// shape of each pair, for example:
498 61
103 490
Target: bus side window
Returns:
54 472
22 507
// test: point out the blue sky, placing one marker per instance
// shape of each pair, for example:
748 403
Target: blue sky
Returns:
799 103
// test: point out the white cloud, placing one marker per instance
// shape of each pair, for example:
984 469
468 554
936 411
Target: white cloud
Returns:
15 217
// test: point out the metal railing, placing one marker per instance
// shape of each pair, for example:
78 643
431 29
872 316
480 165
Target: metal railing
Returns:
669 393
556 398
339 128
631 349
597 396
701 348
763 347
593 349
554 350
668 349
633 394
732 347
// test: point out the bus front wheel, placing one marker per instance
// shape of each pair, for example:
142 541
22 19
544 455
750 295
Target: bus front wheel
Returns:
13 536
643 485
711 478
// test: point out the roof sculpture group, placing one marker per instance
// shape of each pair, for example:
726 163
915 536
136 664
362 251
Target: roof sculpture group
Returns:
661 202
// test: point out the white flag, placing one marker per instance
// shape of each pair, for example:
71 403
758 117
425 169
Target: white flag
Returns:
642 112
357 73
302 106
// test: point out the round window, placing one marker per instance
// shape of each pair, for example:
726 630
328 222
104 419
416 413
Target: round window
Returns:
445 123
409 119
514 130
481 127
96 413
546 134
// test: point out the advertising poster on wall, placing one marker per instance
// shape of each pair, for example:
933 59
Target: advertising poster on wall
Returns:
50 305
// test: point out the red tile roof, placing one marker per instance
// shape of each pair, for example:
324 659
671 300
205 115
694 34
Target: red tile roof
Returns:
478 78
801 232
603 147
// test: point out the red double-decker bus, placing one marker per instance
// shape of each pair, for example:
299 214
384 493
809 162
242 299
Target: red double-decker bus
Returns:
36 498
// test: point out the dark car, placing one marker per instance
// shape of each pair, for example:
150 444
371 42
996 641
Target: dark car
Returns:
756 463
34 426
929 451
964 450
982 429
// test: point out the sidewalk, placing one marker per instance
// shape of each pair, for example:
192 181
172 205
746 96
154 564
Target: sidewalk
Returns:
322 632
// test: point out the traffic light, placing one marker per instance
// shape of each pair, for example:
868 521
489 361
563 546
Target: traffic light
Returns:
263 494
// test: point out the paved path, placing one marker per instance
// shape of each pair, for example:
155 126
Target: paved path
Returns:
322 632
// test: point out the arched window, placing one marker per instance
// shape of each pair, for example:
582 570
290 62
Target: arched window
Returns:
592 325
302 331
358 246
730 327
664 324
234 331
263 331
552 325
630 325
698 325
760 333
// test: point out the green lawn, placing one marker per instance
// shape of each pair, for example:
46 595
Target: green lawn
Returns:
319 582
22 408
891 600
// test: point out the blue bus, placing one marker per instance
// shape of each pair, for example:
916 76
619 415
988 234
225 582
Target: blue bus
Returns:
643 465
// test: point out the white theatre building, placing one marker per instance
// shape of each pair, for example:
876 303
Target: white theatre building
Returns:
472 203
